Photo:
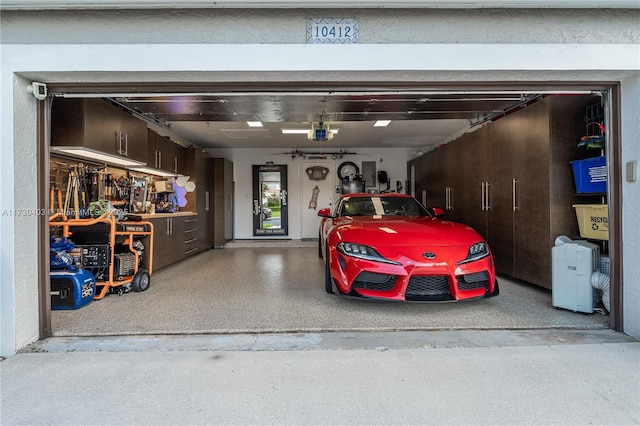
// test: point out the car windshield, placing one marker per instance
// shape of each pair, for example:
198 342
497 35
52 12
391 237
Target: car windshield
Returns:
378 206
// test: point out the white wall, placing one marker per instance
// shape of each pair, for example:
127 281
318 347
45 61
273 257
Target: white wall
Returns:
631 205
393 161
396 46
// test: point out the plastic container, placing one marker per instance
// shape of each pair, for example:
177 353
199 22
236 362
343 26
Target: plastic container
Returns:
593 220
590 175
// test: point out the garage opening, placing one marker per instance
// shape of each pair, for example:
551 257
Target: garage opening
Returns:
212 281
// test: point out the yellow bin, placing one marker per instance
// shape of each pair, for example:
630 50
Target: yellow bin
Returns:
593 220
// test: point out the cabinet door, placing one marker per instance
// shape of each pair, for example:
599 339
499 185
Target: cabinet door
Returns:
167 152
500 215
101 126
476 175
454 181
152 153
160 234
434 178
532 215
175 244
134 134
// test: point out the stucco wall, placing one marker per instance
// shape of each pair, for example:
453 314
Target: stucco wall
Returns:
539 45
631 205
395 26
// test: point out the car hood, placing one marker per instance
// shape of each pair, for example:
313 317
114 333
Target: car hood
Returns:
397 230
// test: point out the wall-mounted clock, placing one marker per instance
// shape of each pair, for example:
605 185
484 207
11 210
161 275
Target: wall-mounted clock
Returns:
347 169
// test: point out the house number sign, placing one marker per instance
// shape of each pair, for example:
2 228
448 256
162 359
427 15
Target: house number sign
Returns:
332 31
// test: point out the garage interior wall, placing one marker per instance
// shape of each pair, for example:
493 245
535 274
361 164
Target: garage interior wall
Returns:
246 46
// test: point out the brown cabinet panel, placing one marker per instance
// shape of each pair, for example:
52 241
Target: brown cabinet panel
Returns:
98 125
473 164
222 201
164 154
518 169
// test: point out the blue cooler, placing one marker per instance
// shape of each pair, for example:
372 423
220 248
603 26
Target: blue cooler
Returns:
71 288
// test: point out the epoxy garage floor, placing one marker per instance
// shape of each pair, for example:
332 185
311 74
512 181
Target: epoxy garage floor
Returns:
281 289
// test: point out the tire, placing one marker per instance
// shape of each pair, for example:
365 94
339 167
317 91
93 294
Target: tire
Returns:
141 281
320 246
328 284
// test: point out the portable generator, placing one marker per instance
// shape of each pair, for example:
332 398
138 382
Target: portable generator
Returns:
71 288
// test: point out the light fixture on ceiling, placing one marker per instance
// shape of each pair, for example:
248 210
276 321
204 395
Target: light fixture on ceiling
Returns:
381 123
254 123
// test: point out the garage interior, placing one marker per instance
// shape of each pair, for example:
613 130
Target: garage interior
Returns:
272 285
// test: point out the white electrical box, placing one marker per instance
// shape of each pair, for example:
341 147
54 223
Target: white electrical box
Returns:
573 264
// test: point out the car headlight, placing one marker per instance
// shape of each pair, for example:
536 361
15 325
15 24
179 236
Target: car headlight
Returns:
476 252
363 252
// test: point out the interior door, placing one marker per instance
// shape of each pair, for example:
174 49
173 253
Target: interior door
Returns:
270 200
318 192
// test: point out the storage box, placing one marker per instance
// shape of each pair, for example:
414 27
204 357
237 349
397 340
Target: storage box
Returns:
71 288
593 220
164 186
590 175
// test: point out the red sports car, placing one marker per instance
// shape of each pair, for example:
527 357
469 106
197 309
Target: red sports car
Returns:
388 246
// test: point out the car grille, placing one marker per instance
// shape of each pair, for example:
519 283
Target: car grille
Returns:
473 281
428 287
373 281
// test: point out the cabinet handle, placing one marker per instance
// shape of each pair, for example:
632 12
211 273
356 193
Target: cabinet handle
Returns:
515 190
159 159
126 144
167 227
175 164
482 196
206 201
118 142
487 203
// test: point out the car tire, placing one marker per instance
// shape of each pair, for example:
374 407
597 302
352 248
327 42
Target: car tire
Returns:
141 281
328 285
320 246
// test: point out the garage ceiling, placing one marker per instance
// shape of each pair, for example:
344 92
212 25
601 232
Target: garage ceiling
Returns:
419 120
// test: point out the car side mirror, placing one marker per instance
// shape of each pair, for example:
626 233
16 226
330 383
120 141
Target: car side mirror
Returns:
437 211
324 212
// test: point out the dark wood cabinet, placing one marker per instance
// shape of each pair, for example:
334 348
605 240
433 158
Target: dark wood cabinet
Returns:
200 167
222 201
518 188
98 125
171 239
164 154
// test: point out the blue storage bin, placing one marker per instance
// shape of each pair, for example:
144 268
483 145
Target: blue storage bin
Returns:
590 175
71 288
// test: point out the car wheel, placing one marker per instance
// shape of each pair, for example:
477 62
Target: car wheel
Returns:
328 286
320 246
141 281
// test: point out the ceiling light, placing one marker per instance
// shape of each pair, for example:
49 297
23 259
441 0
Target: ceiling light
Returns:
382 123
90 154
254 123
